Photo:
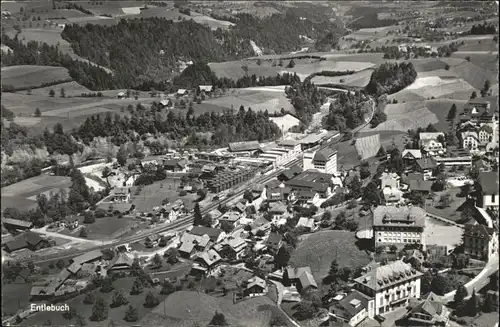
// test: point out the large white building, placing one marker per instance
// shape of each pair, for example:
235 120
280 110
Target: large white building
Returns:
398 225
324 160
389 287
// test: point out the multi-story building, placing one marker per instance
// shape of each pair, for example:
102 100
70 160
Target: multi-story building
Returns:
389 287
487 190
429 312
325 160
291 145
398 225
470 140
480 242
430 144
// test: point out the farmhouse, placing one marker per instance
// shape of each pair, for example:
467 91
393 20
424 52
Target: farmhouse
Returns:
121 95
120 263
301 278
274 242
470 140
205 262
191 243
430 143
389 287
425 166
307 223
231 249
255 286
181 92
206 88
215 234
398 225
166 103
410 156
121 195
174 165
27 240
229 220
480 242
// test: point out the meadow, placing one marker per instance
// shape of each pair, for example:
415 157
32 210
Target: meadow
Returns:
23 194
318 250
358 79
26 76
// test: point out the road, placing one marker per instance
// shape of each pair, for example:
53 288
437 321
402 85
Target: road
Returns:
179 224
44 231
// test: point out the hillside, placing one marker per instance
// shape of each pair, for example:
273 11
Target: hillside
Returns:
26 77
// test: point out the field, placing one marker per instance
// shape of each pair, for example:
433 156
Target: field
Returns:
319 249
451 212
257 98
15 297
368 146
32 76
107 228
440 108
21 195
200 308
358 79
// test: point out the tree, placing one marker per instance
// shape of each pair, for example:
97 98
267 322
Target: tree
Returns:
70 314
282 256
333 273
107 285
119 299
99 310
472 306
157 261
38 113
327 215
88 217
80 321
278 321
305 310
122 156
489 304
441 285
445 200
63 92
218 320
131 314
172 256
473 95
355 187
460 296
106 172
381 152
167 288
248 195
371 194
364 172
151 300
89 298
460 261
52 93
291 64
83 233
452 113
198 218
137 287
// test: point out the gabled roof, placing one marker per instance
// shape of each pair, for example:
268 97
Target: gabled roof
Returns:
89 256
32 238
294 273
244 146
121 259
213 233
388 275
399 216
256 281
420 185
292 172
16 244
305 222
351 304
430 136
278 207
307 280
426 163
17 222
206 88
324 154
415 153
489 182
274 238
210 257
480 231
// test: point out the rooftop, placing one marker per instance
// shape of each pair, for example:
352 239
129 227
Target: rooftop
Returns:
388 275
244 146
489 182
399 216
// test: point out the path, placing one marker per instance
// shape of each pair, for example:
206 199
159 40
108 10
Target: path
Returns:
279 290
67 237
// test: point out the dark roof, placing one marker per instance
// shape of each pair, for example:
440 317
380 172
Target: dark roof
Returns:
324 154
17 244
174 163
17 222
426 163
291 172
347 307
489 182
213 233
244 146
480 231
274 238
89 256
32 238
298 183
420 185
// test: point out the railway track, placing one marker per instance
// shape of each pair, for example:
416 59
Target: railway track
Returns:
178 224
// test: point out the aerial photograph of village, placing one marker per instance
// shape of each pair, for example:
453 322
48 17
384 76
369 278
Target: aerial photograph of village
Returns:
249 163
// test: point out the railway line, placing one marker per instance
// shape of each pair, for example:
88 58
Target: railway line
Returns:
179 224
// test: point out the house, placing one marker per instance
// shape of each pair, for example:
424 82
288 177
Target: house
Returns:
277 194
90 256
470 140
16 224
324 160
191 243
389 287
290 173
215 234
205 262
425 166
182 92
174 165
409 156
487 190
418 185
277 210
307 223
166 103
239 208
121 95
390 180
255 286
28 240
351 308
480 242
308 181
120 263
152 240
485 134
260 224
430 143
398 225
232 249
121 195
427 312
301 278
206 88
292 146
274 242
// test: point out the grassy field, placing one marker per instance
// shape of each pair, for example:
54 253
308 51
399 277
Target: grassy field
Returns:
257 98
72 89
451 212
319 249
15 297
405 116
21 195
200 308
108 228
33 76
115 314
358 79
441 107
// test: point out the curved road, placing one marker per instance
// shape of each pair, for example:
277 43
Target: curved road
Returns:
177 225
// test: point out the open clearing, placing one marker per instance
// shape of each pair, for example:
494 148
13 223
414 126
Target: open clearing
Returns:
368 146
20 195
33 76
271 99
71 89
439 233
358 79
319 249
200 308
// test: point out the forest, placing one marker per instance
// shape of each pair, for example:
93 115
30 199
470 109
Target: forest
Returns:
483 29
390 78
306 99
347 112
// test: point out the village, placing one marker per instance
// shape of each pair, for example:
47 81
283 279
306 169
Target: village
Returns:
233 222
